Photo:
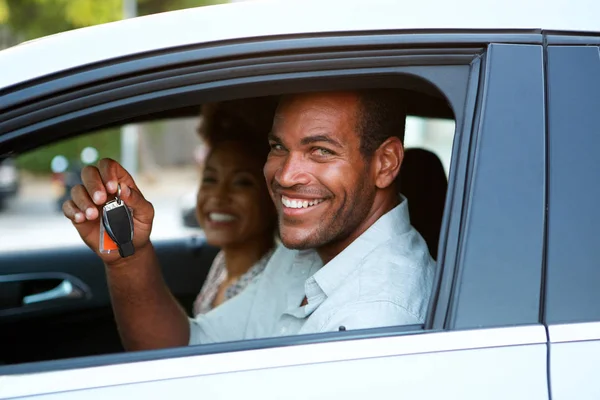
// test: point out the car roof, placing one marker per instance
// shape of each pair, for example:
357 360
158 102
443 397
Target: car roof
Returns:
255 19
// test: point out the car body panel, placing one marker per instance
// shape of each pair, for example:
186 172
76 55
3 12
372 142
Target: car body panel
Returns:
574 357
492 267
509 362
273 18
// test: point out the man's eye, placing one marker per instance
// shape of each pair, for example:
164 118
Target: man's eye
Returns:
276 147
319 151
208 179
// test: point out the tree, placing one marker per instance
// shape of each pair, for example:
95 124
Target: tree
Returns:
31 19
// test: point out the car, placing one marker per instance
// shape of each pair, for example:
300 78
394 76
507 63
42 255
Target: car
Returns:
515 311
9 180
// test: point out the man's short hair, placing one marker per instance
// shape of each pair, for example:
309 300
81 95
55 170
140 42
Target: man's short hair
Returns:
382 114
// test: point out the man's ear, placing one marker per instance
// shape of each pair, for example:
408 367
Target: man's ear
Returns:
388 158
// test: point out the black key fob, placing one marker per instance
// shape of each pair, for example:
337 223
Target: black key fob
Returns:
118 223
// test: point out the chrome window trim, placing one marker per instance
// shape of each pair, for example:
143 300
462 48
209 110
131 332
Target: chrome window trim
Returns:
421 343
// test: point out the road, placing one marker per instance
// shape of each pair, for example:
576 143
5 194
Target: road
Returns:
32 220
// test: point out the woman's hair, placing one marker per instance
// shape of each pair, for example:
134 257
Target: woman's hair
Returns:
246 120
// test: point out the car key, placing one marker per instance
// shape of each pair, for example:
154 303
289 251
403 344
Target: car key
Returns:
118 223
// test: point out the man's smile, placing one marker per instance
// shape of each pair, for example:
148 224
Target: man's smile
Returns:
298 206
299 203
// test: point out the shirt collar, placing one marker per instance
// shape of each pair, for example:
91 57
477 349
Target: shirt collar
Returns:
395 222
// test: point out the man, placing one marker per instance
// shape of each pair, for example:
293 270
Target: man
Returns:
356 261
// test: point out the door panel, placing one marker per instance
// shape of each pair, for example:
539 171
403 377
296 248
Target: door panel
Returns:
504 363
73 327
575 355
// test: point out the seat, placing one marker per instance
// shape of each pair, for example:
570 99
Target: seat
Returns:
423 182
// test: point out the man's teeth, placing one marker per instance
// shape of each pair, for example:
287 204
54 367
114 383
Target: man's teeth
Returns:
219 217
290 203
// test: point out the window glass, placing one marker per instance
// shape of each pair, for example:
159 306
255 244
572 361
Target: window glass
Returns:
433 134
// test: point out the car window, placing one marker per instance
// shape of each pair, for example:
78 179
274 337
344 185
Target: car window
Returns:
169 153
433 134
165 156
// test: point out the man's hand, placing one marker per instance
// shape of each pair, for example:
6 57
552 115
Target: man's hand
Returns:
84 208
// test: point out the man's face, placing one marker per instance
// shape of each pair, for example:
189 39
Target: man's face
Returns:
318 179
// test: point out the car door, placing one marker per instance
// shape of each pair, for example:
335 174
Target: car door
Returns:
572 307
483 338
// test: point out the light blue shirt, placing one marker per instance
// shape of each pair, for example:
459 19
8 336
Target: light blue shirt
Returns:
383 278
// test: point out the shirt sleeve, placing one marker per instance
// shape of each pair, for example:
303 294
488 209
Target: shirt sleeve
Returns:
370 314
224 323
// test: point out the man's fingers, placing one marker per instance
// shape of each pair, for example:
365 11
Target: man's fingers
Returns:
83 202
92 181
112 173
72 212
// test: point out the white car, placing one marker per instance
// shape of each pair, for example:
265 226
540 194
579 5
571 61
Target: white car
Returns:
515 312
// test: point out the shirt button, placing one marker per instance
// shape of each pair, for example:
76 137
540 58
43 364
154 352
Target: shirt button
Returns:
283 330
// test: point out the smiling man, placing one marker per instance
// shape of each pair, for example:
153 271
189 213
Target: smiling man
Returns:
350 258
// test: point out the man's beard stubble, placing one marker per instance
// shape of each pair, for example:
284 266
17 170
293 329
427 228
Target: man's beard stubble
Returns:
341 225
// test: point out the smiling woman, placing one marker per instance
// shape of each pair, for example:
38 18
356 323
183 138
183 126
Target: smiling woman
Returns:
237 215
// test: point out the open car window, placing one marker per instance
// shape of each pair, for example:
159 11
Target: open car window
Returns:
167 163
440 122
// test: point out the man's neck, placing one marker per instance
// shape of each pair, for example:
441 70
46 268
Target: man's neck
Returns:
380 207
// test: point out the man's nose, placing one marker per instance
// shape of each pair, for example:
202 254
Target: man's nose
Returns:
293 171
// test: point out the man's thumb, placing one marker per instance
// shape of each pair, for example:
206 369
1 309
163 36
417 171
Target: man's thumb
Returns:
142 208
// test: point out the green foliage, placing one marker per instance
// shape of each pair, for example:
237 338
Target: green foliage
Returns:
3 12
35 18
38 161
30 19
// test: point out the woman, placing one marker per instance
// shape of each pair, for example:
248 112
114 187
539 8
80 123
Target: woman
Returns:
235 211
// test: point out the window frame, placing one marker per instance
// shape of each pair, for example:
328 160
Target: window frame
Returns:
364 64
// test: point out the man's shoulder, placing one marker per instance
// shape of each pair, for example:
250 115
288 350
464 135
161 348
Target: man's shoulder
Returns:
405 249
400 270
394 264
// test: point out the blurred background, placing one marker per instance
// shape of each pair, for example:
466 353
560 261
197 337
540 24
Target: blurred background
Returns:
164 156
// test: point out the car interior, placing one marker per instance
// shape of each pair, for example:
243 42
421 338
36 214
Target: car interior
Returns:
84 326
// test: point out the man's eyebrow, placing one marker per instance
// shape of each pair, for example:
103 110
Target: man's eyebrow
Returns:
272 136
320 138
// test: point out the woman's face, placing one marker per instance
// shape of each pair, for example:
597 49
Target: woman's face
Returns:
233 202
